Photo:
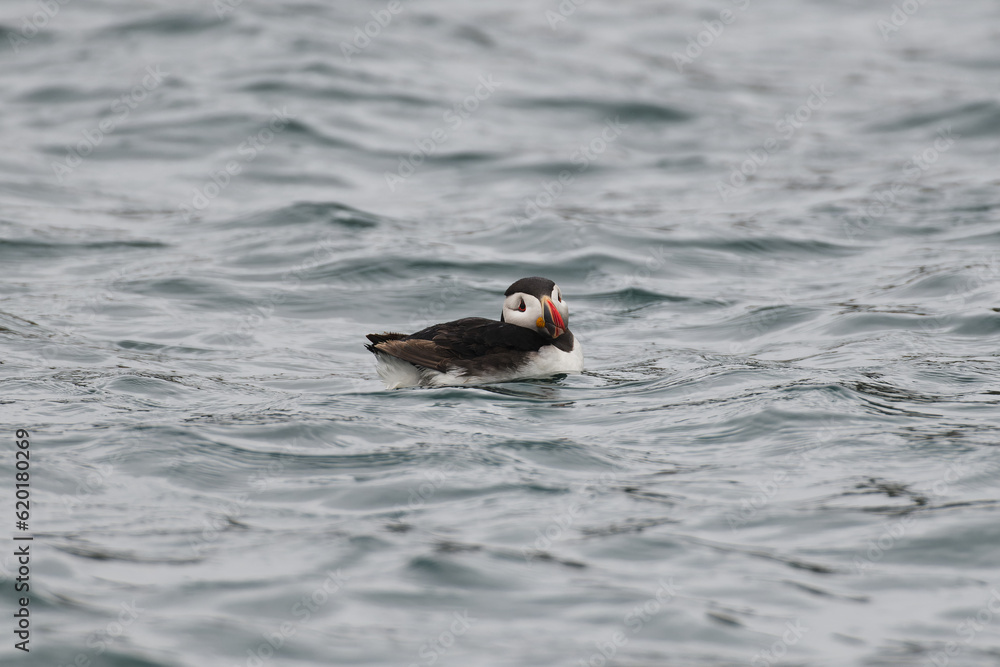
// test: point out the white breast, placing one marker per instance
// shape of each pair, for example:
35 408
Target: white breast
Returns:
549 360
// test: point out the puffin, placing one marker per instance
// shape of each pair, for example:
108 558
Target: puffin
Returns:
531 340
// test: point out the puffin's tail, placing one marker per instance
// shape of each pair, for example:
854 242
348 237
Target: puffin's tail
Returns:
381 338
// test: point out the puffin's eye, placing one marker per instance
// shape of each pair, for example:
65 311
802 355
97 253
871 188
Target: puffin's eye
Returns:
521 307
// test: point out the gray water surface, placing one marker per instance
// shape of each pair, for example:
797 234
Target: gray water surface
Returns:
777 225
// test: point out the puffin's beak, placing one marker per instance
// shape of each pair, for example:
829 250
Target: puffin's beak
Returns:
553 320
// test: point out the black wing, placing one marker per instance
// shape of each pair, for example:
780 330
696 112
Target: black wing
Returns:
470 344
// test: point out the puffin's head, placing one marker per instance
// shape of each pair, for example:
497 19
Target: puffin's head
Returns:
536 304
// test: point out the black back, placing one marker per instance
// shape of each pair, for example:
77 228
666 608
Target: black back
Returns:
474 344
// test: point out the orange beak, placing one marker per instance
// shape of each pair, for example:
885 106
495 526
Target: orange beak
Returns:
554 323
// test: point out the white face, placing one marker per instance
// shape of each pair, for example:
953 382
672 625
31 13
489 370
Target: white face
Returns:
527 311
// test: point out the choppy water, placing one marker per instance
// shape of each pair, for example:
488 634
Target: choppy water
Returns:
783 451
